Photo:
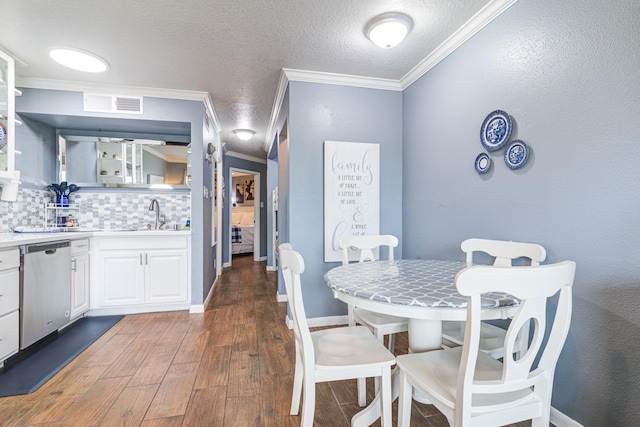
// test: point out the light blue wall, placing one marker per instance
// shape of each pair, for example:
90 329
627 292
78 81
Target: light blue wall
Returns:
37 163
261 168
153 165
568 74
79 166
319 112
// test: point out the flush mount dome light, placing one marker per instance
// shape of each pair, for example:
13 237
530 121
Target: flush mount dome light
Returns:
389 29
244 134
78 59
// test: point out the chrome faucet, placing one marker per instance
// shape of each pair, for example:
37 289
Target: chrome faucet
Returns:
155 206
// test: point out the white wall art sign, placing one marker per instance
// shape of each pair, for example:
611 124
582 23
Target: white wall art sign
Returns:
351 193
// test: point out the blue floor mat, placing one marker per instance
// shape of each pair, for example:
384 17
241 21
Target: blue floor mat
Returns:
28 374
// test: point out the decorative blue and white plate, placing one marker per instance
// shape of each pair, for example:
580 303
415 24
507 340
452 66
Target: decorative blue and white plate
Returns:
3 136
483 163
495 130
516 154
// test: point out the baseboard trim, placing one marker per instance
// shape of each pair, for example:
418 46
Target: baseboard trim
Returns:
199 308
271 268
135 309
561 420
226 264
281 297
196 308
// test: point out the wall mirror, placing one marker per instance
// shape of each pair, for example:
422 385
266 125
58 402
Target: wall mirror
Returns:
116 161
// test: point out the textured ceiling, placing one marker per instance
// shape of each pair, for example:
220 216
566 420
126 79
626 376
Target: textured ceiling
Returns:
232 49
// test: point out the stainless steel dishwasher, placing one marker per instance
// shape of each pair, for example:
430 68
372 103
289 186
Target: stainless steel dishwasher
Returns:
45 290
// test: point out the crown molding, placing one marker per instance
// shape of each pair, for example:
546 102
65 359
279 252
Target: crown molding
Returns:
245 157
477 22
74 86
341 79
211 111
275 110
287 75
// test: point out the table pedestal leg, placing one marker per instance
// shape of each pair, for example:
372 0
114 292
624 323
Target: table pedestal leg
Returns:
424 335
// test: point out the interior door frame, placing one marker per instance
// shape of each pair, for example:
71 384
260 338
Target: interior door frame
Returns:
256 211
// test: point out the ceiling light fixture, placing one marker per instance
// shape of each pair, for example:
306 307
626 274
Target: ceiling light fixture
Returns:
244 134
78 59
389 29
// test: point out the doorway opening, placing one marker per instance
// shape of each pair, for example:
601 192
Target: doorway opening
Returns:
244 233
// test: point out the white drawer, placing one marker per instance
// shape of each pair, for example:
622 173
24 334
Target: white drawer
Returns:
144 242
79 246
9 259
9 291
9 334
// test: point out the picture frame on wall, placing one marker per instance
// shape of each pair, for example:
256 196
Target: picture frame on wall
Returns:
239 193
249 188
351 193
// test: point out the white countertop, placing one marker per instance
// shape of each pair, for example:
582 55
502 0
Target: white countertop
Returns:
9 240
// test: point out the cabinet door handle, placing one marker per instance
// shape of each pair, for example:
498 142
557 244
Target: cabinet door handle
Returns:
146 258
73 264
141 258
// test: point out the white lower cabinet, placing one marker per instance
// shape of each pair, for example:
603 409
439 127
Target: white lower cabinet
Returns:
9 302
9 334
121 278
80 277
165 276
147 273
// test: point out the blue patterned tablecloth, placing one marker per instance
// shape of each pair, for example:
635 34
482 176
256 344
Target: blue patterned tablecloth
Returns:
410 282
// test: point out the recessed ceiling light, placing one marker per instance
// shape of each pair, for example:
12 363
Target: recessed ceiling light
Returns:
389 29
78 59
244 134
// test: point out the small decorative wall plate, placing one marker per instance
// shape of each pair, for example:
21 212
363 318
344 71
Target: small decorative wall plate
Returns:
516 154
495 130
3 136
483 163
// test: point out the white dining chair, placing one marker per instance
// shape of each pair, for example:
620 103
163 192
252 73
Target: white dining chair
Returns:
504 253
330 354
380 324
472 388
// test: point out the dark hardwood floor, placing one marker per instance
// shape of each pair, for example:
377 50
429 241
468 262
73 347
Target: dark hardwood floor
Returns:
230 366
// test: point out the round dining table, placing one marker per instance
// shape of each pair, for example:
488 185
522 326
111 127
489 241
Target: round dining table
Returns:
423 291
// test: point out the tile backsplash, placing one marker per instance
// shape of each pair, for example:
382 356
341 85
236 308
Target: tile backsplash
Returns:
97 210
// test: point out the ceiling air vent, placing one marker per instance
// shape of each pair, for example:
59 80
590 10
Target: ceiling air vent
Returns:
112 103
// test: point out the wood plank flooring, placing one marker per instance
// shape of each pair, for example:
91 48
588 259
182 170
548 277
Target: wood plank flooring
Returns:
230 366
